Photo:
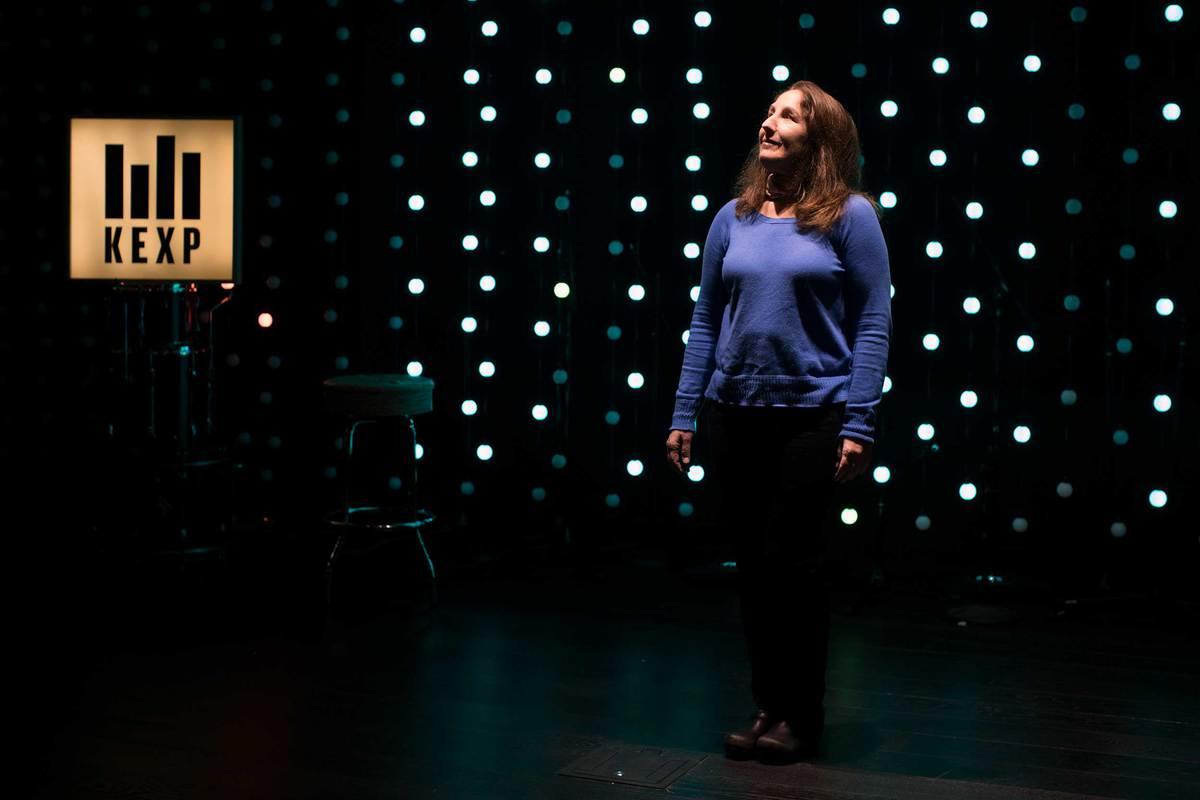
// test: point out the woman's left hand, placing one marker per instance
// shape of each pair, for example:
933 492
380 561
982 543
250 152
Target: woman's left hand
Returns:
853 458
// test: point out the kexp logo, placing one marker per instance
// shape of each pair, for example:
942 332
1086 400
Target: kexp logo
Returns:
154 199
162 241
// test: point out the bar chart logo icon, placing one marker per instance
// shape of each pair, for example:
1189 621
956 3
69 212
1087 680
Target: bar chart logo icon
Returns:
153 199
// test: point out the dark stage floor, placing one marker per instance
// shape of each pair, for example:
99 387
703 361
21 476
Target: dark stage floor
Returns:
512 679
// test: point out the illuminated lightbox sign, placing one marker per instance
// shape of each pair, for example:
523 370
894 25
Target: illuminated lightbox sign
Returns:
154 199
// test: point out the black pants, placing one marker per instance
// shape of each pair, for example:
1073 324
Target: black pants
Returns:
774 471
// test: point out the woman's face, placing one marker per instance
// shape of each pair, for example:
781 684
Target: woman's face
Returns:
782 132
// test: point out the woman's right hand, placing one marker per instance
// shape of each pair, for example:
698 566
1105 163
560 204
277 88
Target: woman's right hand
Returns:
679 449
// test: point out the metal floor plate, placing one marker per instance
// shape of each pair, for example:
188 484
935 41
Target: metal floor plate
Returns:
636 765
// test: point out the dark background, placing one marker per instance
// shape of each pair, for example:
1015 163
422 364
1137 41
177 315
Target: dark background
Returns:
288 69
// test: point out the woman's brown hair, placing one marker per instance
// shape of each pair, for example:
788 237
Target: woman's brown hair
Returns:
829 166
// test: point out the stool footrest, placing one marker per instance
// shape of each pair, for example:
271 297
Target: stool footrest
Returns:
382 518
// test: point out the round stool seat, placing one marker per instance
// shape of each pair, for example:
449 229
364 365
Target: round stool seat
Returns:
380 395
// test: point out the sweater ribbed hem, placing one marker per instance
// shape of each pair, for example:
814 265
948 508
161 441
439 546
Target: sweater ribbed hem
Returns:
781 390
778 390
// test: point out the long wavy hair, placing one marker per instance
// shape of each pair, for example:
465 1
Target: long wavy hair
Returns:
829 166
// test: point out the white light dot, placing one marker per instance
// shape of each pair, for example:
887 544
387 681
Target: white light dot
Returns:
488 113
562 290
1158 498
1032 63
1021 434
543 76
1025 343
470 158
702 19
967 491
416 286
489 28
470 324
925 431
1162 403
637 292
541 160
968 399
634 467
639 116
700 111
635 380
416 35
849 516
416 118
616 75
416 202
471 76
484 452
694 75
487 283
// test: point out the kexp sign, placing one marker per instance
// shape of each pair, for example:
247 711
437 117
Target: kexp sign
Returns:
154 199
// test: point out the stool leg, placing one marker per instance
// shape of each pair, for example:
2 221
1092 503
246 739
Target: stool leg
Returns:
349 455
412 480
333 554
429 562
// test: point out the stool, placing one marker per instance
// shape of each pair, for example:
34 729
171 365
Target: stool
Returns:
362 399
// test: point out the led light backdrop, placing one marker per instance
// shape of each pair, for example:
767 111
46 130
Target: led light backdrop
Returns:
512 199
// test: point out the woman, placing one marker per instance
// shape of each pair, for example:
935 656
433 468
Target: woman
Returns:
788 346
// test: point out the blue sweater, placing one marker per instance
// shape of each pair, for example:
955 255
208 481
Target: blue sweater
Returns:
790 319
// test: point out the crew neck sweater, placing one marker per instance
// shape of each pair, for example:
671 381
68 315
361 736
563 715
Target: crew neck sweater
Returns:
790 319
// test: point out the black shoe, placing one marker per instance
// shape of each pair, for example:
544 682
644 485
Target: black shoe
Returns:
783 744
740 743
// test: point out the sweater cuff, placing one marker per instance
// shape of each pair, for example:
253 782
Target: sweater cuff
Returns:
684 416
859 425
